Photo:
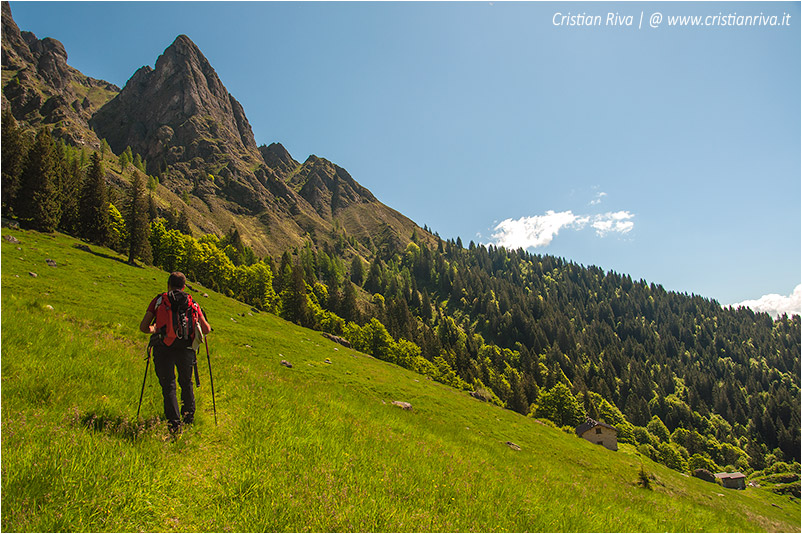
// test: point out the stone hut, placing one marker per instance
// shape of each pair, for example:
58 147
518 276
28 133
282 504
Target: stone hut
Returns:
732 480
599 433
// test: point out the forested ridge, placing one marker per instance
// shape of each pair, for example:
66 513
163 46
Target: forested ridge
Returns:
692 384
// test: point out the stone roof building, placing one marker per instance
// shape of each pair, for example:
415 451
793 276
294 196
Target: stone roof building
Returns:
599 433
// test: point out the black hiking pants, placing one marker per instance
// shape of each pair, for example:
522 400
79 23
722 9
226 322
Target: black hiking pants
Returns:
166 360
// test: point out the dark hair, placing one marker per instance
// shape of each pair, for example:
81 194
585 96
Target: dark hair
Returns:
177 280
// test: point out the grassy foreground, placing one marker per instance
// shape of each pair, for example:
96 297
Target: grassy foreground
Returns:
318 447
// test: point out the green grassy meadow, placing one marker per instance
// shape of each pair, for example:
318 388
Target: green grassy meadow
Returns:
318 447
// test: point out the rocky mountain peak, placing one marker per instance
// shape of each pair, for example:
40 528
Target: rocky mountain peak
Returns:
179 111
279 159
41 88
15 49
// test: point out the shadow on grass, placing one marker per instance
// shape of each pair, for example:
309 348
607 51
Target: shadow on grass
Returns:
86 248
117 425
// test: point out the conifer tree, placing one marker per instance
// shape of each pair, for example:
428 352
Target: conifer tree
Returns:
14 156
138 163
137 221
153 213
284 276
125 159
348 307
72 178
183 223
294 305
357 271
37 200
94 203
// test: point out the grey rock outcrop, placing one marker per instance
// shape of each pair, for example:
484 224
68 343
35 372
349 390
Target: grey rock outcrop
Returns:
41 88
177 112
185 124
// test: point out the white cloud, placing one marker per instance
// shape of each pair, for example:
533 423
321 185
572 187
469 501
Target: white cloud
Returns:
535 231
775 305
598 199
540 230
620 221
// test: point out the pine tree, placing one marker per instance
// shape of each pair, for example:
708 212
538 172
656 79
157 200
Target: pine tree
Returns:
183 223
94 203
283 278
138 163
125 159
153 213
348 306
37 199
72 178
357 270
14 156
294 305
137 221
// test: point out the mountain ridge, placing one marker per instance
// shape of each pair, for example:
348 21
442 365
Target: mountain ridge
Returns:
196 139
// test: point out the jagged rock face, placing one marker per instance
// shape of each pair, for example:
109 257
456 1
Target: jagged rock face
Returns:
277 158
15 50
177 112
327 187
43 89
51 59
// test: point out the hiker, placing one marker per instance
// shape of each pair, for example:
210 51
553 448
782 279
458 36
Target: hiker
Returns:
173 346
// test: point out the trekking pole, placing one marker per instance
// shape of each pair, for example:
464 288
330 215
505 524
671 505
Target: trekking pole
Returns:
211 380
147 363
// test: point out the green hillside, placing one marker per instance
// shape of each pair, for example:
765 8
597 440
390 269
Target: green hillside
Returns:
315 447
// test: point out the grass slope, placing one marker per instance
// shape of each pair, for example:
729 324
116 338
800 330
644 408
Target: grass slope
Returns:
318 447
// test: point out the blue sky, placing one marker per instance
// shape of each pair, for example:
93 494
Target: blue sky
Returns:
668 153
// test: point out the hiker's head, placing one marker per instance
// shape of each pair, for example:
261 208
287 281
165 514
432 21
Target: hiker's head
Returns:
177 280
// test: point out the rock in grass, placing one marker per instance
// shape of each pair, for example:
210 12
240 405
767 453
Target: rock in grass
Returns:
327 361
33 274
482 394
403 405
337 339
11 239
513 446
285 363
51 263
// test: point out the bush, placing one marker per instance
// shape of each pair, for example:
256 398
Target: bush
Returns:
671 457
697 461
788 489
649 451
644 437
643 478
